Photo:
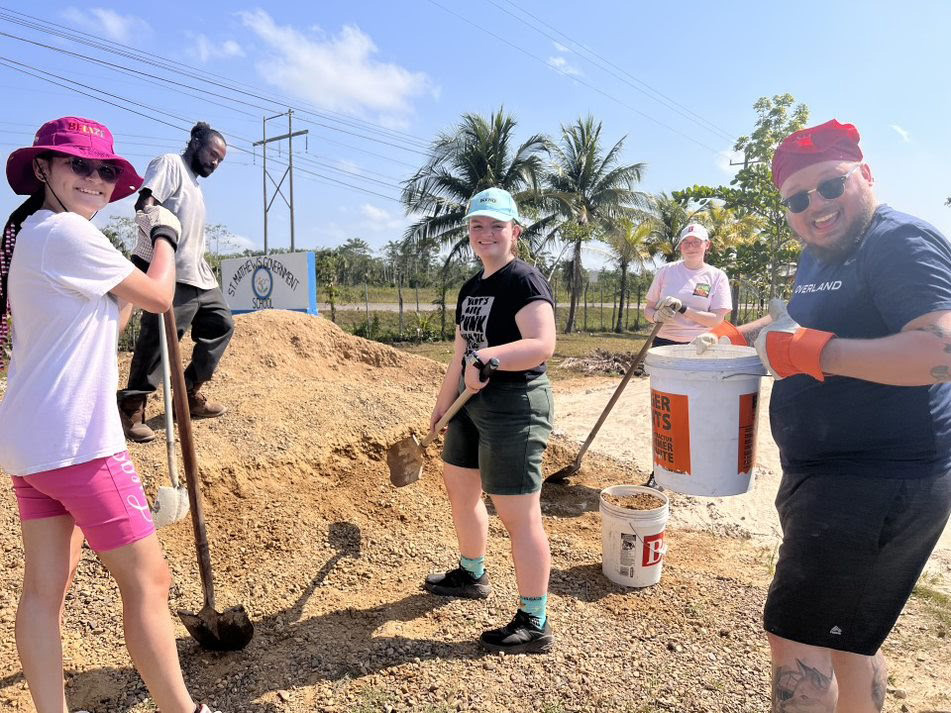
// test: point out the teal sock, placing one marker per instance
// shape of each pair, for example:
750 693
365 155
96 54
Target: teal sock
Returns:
535 607
475 567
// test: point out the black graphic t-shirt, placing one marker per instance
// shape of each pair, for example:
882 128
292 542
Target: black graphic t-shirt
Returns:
486 309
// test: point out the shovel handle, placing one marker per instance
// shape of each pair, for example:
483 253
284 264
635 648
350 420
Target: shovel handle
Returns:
188 458
167 398
491 366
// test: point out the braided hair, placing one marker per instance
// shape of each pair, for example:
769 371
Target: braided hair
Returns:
7 243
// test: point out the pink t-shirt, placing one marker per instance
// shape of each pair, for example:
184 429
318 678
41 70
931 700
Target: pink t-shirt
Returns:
705 289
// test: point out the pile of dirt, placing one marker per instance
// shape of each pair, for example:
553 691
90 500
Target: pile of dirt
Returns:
307 532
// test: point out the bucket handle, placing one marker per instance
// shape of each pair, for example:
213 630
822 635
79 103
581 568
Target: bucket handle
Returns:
730 376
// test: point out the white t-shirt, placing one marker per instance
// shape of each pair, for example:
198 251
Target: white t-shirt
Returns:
705 289
175 186
60 405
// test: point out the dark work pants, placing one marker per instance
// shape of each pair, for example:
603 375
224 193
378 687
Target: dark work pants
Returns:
208 316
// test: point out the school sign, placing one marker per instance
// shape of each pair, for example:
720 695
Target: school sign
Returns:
287 281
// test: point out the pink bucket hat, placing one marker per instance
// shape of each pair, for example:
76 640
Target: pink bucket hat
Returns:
71 136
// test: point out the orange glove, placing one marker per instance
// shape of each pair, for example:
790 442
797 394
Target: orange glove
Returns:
786 349
723 333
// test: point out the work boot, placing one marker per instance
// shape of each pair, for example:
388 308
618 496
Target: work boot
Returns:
200 407
458 583
132 415
520 636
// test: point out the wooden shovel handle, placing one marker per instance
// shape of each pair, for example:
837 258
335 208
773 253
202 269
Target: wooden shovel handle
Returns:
189 461
460 401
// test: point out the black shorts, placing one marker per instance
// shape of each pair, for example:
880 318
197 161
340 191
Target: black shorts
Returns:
853 549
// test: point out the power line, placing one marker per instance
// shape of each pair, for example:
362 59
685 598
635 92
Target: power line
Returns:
577 79
643 87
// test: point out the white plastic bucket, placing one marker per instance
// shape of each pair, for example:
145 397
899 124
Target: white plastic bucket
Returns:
633 542
703 410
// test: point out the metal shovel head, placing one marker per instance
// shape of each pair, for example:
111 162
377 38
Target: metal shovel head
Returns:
230 630
405 460
170 506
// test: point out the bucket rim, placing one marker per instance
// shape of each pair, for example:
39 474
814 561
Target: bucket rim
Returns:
727 358
630 489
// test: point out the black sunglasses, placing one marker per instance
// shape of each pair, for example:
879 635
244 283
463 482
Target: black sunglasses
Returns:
108 172
830 190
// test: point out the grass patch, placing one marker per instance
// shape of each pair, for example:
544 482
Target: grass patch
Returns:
936 602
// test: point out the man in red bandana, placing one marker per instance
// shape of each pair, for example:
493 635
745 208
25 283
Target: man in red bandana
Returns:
861 412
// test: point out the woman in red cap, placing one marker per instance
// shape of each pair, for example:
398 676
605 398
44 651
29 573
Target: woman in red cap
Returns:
61 440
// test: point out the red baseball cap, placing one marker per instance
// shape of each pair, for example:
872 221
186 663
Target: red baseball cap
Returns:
830 141
71 136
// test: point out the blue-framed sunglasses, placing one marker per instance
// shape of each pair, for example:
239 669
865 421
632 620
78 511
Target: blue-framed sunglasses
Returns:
830 190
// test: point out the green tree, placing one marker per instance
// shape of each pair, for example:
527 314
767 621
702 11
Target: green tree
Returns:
476 154
589 189
752 191
628 241
122 233
669 216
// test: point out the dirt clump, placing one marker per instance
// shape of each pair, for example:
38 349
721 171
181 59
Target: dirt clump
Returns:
641 501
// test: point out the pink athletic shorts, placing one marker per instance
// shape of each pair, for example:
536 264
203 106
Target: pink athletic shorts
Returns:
104 496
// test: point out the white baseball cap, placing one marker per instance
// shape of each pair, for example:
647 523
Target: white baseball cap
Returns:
694 230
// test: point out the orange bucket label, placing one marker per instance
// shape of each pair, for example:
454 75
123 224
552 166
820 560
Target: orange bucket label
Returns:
671 428
747 441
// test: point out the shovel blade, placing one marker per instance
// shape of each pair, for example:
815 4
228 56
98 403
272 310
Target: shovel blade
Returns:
405 460
230 630
170 506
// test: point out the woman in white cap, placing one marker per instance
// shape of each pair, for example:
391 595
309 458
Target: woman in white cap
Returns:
689 296
70 292
495 443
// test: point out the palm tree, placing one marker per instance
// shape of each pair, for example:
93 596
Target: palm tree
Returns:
670 216
628 241
476 154
588 189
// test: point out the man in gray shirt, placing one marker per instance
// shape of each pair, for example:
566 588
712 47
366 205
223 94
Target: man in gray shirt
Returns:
172 182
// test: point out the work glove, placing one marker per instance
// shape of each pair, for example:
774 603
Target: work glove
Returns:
667 308
787 349
723 333
156 222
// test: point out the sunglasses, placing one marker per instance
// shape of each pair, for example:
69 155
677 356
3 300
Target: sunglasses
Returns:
108 172
830 190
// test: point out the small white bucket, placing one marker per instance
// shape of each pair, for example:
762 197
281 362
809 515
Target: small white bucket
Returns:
633 542
703 408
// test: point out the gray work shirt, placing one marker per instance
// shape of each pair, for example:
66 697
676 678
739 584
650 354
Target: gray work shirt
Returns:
174 185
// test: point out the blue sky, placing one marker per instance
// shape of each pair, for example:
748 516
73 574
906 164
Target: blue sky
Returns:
679 80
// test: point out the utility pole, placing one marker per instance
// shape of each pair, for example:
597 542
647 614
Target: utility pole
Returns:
288 172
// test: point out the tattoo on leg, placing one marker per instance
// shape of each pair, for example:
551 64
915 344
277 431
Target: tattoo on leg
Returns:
802 690
879 682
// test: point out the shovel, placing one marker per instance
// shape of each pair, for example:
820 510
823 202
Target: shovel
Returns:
405 457
561 476
232 629
171 504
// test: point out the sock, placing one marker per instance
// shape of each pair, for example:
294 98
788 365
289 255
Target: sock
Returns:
475 567
536 607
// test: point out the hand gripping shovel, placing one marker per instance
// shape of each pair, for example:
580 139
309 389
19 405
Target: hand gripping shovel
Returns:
405 457
171 504
561 476
232 629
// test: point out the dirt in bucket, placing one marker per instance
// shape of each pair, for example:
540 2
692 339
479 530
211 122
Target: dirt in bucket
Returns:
641 501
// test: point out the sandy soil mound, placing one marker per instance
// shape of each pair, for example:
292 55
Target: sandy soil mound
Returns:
307 532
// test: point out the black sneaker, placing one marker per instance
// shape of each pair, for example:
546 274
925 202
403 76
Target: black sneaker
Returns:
521 636
458 583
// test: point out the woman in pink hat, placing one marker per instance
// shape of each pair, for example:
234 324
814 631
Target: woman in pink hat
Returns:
71 292
689 296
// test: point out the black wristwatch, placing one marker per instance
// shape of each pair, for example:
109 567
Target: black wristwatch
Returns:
683 309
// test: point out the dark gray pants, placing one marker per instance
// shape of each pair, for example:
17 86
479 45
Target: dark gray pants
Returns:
208 316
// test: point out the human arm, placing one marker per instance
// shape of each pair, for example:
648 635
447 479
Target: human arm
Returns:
536 324
919 355
706 319
450 383
125 313
153 291
652 297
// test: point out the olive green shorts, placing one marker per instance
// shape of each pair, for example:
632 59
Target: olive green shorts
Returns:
503 431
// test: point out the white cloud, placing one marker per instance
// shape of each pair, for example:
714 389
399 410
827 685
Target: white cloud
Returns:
380 220
561 65
334 72
127 29
905 136
205 49
561 48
